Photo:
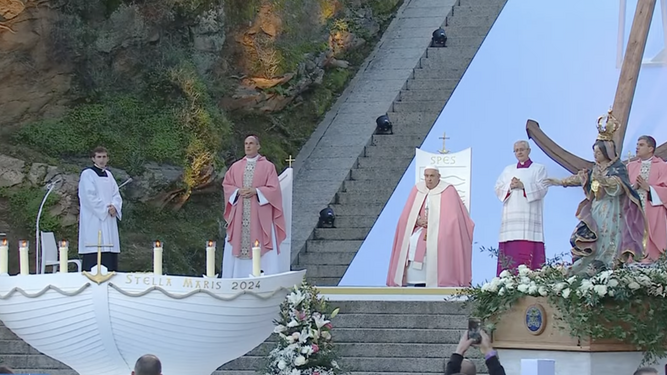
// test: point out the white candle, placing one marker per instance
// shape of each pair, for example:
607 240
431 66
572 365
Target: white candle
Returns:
157 258
256 260
210 258
63 256
23 257
4 256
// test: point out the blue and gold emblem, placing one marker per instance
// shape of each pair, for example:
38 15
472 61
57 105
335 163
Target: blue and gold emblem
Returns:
536 319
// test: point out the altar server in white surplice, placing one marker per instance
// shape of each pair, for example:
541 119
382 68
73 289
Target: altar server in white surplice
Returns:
521 187
100 211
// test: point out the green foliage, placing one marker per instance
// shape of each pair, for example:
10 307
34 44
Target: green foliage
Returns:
293 53
24 205
240 12
134 131
183 233
626 305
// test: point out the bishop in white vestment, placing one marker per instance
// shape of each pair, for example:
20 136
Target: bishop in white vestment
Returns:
101 206
521 187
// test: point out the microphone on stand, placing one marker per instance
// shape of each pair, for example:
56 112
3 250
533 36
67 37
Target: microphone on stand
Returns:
125 183
49 188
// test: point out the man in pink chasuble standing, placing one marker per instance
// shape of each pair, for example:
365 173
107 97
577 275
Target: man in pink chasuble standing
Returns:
433 242
253 212
648 175
521 187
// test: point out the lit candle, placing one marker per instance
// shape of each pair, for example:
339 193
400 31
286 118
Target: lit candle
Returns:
157 258
256 260
63 254
210 258
4 256
23 257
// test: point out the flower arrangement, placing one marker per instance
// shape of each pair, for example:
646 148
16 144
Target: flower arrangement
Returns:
305 345
626 304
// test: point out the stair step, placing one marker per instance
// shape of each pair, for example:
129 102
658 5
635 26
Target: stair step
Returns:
20 361
353 221
341 233
405 307
409 119
427 84
340 258
397 139
434 106
444 63
476 9
381 350
454 54
324 281
463 31
394 321
374 174
402 364
389 152
369 186
421 95
315 270
365 364
366 162
324 246
16 346
456 41
404 335
433 72
484 21
365 197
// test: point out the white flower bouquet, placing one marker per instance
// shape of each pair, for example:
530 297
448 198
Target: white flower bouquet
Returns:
305 345
626 304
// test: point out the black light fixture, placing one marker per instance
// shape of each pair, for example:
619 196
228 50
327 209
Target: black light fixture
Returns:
327 218
439 38
383 125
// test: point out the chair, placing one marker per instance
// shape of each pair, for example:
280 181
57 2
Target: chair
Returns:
50 253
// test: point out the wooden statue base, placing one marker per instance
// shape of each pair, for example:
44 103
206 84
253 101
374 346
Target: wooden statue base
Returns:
531 324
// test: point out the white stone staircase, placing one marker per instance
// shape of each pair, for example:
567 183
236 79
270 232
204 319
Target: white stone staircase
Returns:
376 172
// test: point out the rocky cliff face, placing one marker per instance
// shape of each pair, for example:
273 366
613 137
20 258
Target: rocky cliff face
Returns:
32 83
170 87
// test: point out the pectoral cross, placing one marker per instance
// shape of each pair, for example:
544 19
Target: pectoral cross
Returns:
625 91
444 139
99 277
289 161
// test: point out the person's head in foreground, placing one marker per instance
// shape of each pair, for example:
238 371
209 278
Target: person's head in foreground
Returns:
147 364
646 371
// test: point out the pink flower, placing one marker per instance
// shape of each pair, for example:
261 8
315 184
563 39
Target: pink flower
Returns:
316 373
315 350
328 326
301 315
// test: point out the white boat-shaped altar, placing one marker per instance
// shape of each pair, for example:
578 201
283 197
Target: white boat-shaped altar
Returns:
193 324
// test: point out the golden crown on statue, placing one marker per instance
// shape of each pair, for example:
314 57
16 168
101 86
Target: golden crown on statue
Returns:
607 126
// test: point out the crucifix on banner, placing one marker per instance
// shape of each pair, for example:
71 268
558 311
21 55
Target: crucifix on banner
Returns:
455 168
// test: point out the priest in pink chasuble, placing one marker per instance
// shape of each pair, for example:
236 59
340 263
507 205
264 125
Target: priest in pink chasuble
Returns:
648 176
521 187
433 241
253 212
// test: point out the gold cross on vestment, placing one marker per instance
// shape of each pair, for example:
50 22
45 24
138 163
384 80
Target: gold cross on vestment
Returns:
444 139
625 91
98 277
289 161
